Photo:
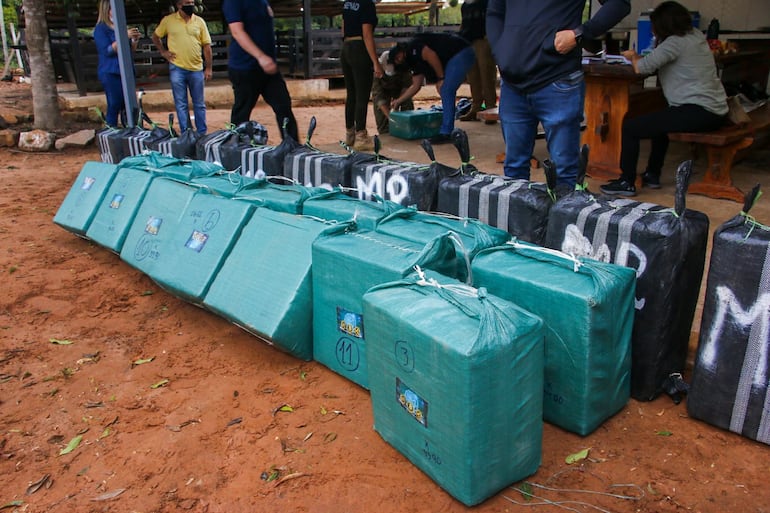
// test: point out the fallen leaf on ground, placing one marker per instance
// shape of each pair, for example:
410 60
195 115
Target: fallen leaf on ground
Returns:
37 485
71 446
578 456
161 383
60 342
109 495
141 361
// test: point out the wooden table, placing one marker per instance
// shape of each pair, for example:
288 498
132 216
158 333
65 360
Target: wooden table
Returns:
613 92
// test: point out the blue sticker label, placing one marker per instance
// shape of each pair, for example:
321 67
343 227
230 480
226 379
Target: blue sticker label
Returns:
116 201
196 241
350 323
415 405
153 225
88 182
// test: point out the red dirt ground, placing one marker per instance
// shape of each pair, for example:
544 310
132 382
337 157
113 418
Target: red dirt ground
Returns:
213 439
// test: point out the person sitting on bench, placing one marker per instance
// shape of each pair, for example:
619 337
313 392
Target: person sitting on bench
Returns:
696 98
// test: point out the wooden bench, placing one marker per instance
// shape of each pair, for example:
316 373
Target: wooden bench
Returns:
721 147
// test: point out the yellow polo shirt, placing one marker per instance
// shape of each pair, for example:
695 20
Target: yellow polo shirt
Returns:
185 39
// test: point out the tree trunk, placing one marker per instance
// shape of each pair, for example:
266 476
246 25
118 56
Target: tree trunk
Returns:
45 101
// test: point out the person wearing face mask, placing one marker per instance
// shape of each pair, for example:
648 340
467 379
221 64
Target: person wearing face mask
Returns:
108 68
387 88
186 37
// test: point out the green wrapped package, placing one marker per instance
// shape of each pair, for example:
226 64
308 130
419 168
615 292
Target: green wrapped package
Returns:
345 266
118 208
588 310
265 283
278 197
456 379
224 184
84 197
190 258
338 206
156 222
471 234
414 124
171 167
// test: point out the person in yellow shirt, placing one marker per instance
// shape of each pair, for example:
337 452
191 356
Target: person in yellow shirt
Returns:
188 52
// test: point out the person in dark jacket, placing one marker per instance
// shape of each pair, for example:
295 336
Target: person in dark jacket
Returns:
251 64
537 47
108 67
435 58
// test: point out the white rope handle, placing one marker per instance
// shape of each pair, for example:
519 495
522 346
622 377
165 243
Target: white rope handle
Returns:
576 264
463 290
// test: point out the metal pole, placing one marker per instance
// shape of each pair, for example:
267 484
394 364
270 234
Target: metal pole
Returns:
125 60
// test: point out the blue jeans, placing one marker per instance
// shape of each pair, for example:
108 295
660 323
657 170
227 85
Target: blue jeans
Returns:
559 108
454 75
181 81
116 103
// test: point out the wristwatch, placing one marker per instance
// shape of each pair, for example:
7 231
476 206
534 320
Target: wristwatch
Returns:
578 35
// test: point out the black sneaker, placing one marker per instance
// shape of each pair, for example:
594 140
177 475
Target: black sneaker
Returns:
651 181
619 188
440 139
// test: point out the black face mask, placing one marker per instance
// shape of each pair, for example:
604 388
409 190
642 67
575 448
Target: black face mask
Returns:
188 9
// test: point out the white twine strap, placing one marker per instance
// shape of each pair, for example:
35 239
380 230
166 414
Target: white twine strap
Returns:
576 263
462 290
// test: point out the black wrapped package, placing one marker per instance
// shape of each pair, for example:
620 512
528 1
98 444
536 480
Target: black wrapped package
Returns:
312 167
666 246
405 183
519 207
208 147
110 145
258 160
730 385
178 146
138 139
135 138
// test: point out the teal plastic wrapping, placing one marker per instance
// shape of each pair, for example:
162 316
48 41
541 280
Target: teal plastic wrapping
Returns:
588 310
338 206
171 167
225 184
414 124
278 197
456 379
265 283
158 219
471 235
190 258
82 201
118 208
345 265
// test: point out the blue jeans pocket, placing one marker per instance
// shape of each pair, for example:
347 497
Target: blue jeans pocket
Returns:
570 82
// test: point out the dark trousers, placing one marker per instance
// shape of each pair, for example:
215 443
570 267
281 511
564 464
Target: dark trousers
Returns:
656 127
358 71
248 85
116 103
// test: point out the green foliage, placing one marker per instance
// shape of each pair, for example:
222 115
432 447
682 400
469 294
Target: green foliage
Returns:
10 15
